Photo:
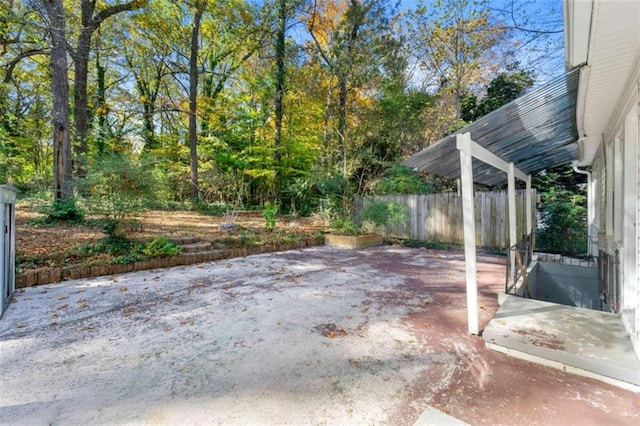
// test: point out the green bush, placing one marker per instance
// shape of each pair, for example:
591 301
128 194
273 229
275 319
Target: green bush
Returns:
64 210
161 247
563 223
115 246
119 190
381 213
400 180
344 226
269 212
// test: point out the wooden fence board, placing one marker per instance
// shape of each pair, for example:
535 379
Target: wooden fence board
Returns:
438 217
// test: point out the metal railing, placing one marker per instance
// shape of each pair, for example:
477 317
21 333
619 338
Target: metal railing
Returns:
584 261
609 280
518 259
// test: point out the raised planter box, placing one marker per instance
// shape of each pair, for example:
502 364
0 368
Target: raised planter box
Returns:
352 241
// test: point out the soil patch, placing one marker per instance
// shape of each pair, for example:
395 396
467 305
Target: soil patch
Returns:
52 245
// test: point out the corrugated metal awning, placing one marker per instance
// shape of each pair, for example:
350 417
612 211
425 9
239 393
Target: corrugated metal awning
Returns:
537 131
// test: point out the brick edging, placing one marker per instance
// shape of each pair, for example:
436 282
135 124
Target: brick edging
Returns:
50 275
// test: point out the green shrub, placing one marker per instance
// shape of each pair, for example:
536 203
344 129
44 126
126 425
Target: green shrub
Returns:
381 213
216 208
64 210
400 180
344 226
115 246
269 212
563 224
161 247
118 190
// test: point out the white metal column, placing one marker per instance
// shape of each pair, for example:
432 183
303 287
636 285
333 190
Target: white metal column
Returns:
466 179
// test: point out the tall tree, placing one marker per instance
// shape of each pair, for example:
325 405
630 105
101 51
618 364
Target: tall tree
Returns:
198 11
91 17
345 36
151 60
457 43
281 33
506 87
60 90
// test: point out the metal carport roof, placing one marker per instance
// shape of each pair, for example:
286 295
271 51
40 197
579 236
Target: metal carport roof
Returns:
535 132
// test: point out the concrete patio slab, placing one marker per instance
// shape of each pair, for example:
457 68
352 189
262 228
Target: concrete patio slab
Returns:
314 336
583 341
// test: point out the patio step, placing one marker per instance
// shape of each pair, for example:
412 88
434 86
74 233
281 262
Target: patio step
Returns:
195 247
580 341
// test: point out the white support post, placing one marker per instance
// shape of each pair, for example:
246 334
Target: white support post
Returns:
511 187
466 179
529 207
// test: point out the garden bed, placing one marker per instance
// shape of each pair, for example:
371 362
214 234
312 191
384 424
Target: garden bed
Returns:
52 252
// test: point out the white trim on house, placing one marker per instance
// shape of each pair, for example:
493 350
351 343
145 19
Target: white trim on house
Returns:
611 55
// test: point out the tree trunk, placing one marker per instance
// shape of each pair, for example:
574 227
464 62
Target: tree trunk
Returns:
327 159
280 77
101 107
80 107
342 121
60 91
80 56
193 101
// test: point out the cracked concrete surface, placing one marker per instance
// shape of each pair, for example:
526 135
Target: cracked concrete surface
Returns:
314 336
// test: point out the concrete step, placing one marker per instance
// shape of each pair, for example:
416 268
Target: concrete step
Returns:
195 247
184 240
576 340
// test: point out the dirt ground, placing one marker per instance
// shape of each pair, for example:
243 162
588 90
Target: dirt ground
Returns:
50 241
316 336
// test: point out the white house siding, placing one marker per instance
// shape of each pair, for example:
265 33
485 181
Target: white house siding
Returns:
622 200
636 339
599 176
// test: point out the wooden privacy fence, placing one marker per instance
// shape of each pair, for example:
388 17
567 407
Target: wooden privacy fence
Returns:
438 217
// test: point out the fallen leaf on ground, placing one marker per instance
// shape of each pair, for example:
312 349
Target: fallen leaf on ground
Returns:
123 288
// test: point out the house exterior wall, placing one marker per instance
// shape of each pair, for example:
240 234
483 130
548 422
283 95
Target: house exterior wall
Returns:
616 169
636 339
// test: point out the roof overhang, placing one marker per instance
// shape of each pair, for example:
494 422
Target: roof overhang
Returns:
604 35
535 132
